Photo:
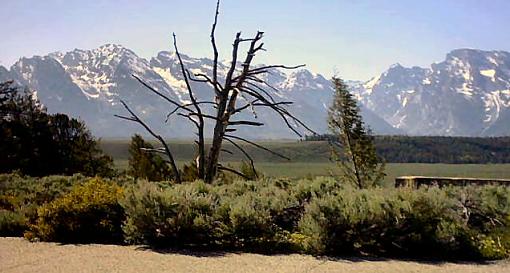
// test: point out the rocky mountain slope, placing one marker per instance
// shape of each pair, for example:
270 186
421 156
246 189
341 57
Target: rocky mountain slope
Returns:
467 94
90 83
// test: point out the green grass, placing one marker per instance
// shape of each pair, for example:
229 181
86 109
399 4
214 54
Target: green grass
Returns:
393 170
297 151
310 159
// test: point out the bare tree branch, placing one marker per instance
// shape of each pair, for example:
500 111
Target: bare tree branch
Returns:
200 123
259 89
215 50
277 66
245 122
241 83
247 155
220 167
136 119
178 105
189 118
284 114
240 109
256 145
273 104
227 151
217 86
154 150
186 105
228 79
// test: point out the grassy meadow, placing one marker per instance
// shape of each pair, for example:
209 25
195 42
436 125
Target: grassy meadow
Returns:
310 159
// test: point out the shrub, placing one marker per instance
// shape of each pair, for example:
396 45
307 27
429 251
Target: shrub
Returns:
490 248
487 212
12 223
389 222
20 196
25 190
88 213
306 189
258 215
167 217
317 216
237 215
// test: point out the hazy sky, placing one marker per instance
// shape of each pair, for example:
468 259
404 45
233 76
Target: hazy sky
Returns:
355 39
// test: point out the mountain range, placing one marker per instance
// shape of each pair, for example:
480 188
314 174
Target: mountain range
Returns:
467 94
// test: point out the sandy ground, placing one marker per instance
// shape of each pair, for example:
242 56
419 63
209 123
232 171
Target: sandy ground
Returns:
18 255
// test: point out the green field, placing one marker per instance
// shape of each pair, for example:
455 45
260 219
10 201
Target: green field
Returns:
312 159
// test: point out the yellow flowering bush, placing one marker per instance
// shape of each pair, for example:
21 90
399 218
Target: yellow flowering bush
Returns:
88 213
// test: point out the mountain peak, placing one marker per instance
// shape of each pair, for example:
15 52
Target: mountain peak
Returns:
470 54
172 56
396 66
111 47
466 94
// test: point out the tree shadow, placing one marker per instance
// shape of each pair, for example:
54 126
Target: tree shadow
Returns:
212 253
198 252
419 260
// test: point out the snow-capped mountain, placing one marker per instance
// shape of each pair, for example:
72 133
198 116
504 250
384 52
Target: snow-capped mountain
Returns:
89 84
467 94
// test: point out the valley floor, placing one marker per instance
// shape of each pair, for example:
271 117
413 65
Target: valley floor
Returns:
19 255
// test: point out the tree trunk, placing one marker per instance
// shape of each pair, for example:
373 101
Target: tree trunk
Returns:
219 132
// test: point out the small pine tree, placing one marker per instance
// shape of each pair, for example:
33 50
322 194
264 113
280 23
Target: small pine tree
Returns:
355 151
189 172
248 171
145 164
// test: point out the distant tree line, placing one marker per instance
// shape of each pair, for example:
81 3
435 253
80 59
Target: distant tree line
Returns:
36 143
437 149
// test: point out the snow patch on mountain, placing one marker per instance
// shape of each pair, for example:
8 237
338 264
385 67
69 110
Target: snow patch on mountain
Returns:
463 95
92 70
489 73
466 94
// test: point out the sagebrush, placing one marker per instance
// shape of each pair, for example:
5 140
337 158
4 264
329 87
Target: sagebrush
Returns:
318 216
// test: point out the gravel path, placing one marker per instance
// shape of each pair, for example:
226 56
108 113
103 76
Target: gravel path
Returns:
18 255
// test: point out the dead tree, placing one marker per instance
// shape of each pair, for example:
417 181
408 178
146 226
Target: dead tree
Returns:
241 81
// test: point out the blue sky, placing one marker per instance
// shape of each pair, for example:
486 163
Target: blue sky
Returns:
354 39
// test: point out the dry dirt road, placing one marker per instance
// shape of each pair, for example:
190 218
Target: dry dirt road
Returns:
18 255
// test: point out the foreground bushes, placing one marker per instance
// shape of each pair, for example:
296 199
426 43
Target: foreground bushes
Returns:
272 215
237 215
21 196
320 217
88 213
380 221
448 223
12 223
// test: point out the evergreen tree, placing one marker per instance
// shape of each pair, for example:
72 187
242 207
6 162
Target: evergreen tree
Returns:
146 164
78 150
248 171
355 151
38 144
